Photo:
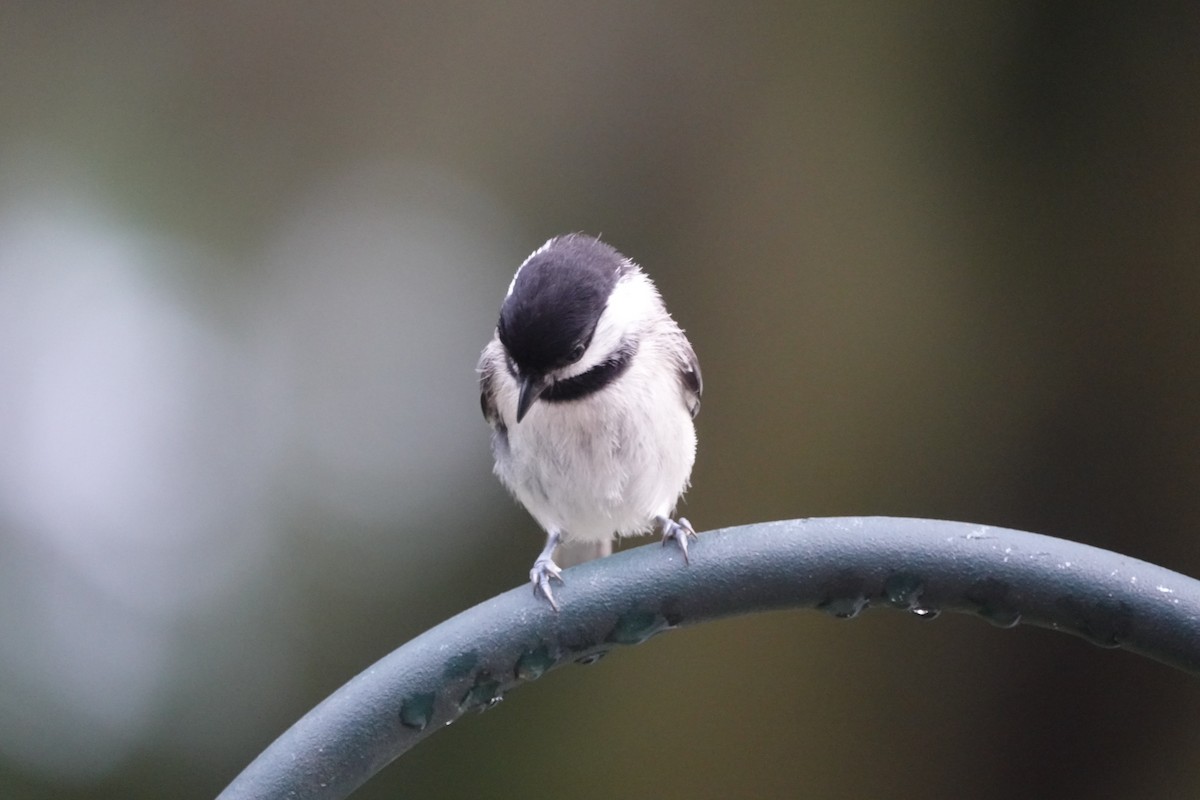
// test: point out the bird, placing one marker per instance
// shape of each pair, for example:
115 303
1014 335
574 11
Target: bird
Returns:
590 388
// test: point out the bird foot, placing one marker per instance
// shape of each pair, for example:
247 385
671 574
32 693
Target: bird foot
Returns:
679 532
544 571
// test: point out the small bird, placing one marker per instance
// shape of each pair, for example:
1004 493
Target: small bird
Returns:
590 388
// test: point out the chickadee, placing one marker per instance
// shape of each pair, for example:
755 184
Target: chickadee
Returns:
590 389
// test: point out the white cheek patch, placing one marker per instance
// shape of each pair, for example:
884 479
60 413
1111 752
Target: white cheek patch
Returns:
633 302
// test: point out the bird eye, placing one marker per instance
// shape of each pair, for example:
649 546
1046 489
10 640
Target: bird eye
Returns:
577 351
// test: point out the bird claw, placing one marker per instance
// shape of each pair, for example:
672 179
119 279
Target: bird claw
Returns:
679 532
544 571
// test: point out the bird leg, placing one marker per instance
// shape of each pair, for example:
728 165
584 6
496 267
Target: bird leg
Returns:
545 570
678 532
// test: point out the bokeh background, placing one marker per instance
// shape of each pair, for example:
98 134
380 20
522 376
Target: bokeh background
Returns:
938 260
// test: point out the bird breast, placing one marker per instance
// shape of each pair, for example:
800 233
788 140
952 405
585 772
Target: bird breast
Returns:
606 464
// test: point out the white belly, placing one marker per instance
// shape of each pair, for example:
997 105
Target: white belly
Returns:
606 465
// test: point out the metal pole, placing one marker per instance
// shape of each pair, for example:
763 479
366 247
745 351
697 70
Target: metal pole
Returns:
840 566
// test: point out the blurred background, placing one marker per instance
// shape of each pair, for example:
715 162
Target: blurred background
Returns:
937 259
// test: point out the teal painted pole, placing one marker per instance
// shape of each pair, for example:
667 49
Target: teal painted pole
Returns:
840 566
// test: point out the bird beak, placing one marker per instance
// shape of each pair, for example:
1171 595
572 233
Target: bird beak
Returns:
532 387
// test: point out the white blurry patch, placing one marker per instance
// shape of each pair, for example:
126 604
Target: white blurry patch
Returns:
167 422
380 297
127 480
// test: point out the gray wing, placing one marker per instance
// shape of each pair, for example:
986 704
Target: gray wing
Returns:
489 366
691 379
487 388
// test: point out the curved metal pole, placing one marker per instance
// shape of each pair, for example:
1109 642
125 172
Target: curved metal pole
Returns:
837 565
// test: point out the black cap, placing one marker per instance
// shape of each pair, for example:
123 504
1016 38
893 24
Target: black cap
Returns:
548 319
